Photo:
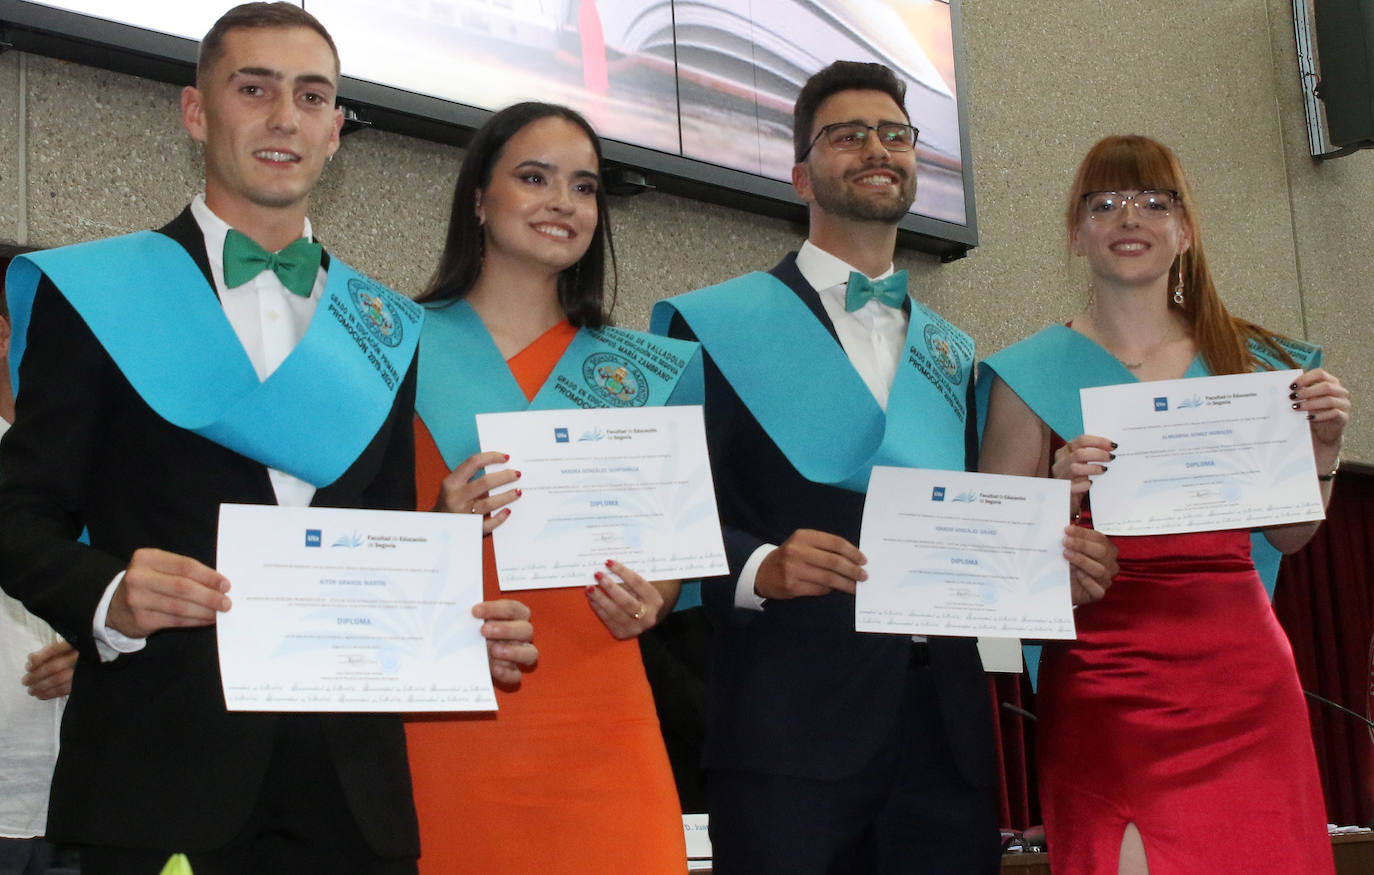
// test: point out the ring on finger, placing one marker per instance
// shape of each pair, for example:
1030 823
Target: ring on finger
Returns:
639 612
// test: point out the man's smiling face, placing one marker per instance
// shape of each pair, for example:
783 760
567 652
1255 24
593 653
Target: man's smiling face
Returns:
869 184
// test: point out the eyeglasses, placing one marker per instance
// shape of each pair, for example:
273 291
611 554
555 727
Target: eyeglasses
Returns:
853 136
1154 205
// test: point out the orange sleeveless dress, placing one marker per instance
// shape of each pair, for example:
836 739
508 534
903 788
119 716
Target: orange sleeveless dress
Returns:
570 774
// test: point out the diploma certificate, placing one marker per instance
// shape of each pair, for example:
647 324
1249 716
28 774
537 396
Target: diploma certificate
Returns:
629 484
351 610
955 553
1203 454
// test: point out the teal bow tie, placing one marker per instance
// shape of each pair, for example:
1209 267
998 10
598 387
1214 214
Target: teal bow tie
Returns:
296 265
890 291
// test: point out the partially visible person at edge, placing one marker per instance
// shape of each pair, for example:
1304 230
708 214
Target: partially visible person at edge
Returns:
515 309
1177 713
136 358
829 750
35 677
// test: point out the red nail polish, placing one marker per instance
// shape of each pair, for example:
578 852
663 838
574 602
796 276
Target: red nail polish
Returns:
507 459
518 475
519 492
599 576
590 590
609 563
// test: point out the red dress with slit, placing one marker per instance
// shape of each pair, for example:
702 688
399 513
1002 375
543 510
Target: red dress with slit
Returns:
1178 709
570 774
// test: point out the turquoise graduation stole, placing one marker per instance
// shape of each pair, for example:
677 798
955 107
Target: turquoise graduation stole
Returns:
800 386
462 373
149 306
1047 369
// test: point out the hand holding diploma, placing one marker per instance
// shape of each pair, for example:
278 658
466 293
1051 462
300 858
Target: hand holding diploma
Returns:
1207 453
810 563
1327 405
629 606
963 554
1077 461
632 483
362 610
464 492
163 590
1092 563
509 635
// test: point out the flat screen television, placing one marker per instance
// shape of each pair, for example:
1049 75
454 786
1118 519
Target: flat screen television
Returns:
693 97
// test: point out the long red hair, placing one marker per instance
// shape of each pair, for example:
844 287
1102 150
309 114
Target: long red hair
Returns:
1135 163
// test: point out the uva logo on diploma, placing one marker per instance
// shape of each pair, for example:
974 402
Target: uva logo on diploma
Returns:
313 538
1161 405
615 380
560 435
937 494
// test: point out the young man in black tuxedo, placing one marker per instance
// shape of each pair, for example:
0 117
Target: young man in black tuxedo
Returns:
828 750
151 762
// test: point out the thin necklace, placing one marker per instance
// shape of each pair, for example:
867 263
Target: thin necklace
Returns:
1169 338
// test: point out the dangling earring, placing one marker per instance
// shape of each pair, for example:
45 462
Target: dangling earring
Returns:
1178 289
1092 296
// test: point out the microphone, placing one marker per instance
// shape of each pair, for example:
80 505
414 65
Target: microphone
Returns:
1311 695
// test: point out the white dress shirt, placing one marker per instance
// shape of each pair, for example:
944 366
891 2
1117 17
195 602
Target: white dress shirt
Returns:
269 321
872 337
28 726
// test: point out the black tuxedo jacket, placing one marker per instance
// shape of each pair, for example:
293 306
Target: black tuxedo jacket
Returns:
796 690
150 758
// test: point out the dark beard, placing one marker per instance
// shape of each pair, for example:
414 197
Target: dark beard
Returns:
837 199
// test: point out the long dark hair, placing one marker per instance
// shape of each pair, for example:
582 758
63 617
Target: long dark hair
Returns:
581 288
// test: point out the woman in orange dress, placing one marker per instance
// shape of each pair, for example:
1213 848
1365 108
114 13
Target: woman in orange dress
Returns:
570 774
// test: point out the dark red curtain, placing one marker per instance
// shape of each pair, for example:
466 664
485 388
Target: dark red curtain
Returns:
1018 801
1325 601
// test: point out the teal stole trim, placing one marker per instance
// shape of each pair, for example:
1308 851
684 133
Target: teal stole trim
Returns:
462 373
798 383
149 306
1047 369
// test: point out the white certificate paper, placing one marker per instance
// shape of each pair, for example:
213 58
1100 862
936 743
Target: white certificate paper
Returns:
1202 455
955 553
629 484
351 610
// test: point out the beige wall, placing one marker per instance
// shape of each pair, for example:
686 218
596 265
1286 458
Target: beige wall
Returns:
85 153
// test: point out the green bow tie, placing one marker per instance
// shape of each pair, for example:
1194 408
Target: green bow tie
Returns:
296 265
890 291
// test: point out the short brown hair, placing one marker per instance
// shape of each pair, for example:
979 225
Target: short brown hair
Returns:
840 76
254 15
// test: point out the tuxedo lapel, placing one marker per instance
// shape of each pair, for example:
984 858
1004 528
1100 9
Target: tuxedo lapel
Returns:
187 234
787 271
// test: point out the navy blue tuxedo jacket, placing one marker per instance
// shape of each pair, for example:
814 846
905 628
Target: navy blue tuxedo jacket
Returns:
150 758
796 690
